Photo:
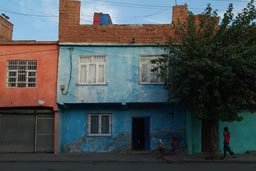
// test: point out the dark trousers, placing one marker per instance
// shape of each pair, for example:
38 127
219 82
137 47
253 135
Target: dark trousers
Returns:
226 148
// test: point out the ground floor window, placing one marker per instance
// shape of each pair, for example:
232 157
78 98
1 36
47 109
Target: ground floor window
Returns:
99 124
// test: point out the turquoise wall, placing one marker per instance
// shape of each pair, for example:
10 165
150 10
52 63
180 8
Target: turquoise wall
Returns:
193 132
242 133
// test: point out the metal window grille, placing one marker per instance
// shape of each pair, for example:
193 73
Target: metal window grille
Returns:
21 73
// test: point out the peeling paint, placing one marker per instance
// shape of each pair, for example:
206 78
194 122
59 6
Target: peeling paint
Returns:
122 68
121 143
76 146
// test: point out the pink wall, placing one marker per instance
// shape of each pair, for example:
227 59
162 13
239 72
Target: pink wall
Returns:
46 54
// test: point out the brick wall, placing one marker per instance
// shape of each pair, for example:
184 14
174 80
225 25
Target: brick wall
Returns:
179 13
6 29
70 29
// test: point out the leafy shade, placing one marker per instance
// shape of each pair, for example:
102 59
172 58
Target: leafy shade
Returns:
211 68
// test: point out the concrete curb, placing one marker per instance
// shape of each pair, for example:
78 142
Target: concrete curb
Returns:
115 161
118 158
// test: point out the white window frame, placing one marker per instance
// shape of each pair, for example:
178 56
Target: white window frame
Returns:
21 73
146 61
91 60
99 115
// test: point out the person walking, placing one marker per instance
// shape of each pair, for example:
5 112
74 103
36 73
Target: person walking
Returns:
174 144
226 147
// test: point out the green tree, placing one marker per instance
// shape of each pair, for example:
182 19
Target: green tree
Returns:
211 67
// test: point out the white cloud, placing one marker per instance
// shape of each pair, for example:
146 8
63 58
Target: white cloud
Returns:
88 10
44 8
49 7
163 17
45 28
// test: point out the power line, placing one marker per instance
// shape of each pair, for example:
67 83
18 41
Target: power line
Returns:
133 5
124 4
55 16
20 5
232 1
148 15
26 14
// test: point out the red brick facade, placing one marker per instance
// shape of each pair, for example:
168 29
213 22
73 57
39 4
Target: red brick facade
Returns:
179 13
70 29
6 29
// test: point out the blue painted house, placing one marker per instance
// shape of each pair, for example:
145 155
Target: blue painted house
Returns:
108 97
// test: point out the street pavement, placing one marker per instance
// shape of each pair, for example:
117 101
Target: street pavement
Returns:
133 157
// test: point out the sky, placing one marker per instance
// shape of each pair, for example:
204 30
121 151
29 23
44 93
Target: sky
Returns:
38 19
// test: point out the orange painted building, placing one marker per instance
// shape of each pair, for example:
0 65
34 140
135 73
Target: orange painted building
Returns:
43 93
28 96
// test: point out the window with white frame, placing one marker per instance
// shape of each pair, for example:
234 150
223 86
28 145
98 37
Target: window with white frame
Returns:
99 124
147 76
21 73
92 69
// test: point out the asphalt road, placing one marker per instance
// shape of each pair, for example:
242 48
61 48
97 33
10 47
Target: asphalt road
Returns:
71 166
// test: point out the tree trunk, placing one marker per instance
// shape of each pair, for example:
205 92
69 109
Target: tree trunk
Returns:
213 139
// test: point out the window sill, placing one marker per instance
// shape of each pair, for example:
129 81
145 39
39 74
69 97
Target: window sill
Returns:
151 83
92 84
99 135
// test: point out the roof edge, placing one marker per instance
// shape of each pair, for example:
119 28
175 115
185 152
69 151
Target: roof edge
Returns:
108 44
28 42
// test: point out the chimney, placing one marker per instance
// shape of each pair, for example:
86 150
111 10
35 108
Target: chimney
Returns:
6 28
69 16
96 18
179 13
101 19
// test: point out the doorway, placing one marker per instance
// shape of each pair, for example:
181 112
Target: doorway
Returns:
140 133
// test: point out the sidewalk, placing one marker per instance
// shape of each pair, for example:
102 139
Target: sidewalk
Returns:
120 157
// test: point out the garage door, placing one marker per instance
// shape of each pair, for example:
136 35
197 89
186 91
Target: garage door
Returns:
26 133
44 133
17 133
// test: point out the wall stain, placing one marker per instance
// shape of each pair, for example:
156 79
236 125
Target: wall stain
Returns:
117 143
76 146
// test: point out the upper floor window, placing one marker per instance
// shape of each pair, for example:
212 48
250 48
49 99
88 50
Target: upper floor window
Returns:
147 76
92 69
21 73
99 124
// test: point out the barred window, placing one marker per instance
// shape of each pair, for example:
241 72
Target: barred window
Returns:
92 69
99 124
147 76
21 73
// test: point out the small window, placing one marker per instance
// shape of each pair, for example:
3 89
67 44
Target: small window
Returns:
21 73
99 124
147 76
92 69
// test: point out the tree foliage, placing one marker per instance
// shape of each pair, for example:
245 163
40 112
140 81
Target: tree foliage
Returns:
211 67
